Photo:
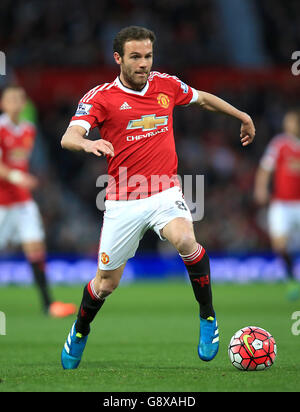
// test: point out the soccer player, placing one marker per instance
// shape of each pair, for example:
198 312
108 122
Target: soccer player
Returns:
134 115
20 220
280 164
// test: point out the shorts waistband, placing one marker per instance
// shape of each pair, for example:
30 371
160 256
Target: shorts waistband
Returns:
112 203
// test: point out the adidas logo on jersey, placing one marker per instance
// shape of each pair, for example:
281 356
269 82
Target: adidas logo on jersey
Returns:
125 106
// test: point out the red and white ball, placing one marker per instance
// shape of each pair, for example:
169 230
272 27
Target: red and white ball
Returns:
252 349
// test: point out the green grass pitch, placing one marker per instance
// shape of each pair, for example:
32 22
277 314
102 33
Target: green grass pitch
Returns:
145 340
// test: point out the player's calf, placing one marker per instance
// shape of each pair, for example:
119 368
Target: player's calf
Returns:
198 267
90 305
197 264
36 256
94 295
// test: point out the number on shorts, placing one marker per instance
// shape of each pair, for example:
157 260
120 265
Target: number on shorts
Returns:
180 205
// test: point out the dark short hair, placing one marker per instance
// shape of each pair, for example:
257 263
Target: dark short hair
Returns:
131 33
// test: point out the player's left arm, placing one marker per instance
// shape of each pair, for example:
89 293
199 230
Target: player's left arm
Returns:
17 177
261 185
213 103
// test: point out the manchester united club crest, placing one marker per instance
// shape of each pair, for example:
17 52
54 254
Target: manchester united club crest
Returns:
104 258
163 100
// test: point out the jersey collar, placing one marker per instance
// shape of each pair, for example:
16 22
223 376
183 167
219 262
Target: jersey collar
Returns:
16 128
127 90
294 139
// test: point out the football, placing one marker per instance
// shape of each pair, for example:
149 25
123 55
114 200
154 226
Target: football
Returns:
252 349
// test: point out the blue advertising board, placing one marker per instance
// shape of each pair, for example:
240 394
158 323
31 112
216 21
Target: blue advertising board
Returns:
63 269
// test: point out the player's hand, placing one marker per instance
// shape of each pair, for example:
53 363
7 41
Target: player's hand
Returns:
99 147
28 181
247 131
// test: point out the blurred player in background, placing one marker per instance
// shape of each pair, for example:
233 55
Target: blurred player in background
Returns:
20 220
134 114
280 165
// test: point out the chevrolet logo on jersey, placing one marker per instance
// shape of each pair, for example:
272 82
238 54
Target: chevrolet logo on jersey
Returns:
148 122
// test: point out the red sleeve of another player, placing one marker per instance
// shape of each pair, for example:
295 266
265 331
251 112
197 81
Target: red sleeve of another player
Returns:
90 111
184 94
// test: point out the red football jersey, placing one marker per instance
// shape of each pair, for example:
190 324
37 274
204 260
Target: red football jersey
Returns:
139 124
16 143
283 157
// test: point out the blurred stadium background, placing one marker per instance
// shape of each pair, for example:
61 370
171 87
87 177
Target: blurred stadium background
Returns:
239 50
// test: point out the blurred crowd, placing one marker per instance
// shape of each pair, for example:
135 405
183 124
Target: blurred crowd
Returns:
76 33
281 28
73 32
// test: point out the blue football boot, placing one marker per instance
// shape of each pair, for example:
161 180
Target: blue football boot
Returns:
73 349
209 339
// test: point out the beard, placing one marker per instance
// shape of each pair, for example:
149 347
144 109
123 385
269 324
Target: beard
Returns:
136 79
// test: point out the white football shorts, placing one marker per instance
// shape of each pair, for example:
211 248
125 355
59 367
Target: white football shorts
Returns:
284 218
126 222
20 223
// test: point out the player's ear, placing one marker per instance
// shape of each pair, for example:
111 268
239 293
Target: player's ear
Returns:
118 58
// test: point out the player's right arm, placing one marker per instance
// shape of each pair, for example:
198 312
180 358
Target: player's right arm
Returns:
74 140
89 114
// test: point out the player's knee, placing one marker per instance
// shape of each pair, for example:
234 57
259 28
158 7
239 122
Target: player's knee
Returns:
34 251
185 243
279 244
